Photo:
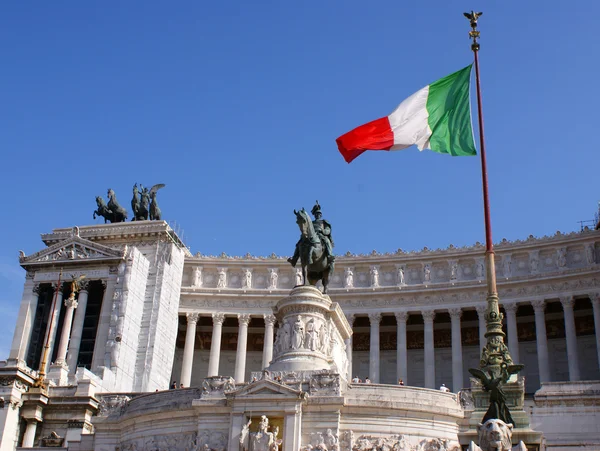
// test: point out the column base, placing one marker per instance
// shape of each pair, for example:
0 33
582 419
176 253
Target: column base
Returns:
58 374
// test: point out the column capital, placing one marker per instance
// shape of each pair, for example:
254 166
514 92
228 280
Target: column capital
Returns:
481 309
428 315
401 317
192 318
58 288
84 285
455 313
595 298
218 318
375 318
243 318
71 302
539 305
510 307
567 302
350 317
36 289
270 319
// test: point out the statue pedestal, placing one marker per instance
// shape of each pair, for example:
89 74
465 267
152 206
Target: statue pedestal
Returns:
311 334
515 400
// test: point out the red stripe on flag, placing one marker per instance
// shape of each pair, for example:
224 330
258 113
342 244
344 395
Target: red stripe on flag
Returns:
375 135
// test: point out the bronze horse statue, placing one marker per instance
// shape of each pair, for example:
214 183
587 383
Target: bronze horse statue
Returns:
310 243
112 212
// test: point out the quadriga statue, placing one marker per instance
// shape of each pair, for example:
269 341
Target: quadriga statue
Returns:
496 435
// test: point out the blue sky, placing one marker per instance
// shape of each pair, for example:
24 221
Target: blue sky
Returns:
235 106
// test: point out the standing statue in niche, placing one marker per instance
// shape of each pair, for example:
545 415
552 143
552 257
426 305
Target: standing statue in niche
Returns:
314 248
427 273
263 440
374 276
312 335
401 276
349 282
273 276
113 212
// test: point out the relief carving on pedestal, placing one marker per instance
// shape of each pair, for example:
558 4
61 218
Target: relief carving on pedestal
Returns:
327 441
325 384
110 404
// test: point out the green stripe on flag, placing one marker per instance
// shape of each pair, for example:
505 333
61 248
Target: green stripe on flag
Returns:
449 111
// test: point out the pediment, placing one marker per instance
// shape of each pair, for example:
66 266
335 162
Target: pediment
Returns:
266 388
73 249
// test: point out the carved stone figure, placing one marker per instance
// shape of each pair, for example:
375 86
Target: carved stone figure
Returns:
561 257
374 276
331 441
244 436
427 273
312 335
197 277
480 270
590 254
507 265
495 435
299 278
298 334
222 280
401 281
314 248
263 440
324 337
273 277
155 213
349 278
247 279
454 271
533 262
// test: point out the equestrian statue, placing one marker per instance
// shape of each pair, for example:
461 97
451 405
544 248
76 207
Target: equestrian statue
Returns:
314 248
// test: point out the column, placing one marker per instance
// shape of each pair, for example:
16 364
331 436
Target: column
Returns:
52 325
77 331
541 340
215 345
375 319
268 346
595 298
401 349
188 350
25 318
481 316
349 344
571 336
242 344
429 351
71 305
29 436
457 361
104 320
511 328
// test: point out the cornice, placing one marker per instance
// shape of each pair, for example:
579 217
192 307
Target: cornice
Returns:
122 232
478 249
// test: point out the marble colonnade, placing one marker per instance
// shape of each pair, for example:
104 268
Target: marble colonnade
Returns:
402 316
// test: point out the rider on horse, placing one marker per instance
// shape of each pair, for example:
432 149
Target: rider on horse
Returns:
323 229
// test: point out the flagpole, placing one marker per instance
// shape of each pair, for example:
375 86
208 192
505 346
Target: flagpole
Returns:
495 357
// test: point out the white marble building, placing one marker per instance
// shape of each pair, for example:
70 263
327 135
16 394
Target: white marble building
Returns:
150 313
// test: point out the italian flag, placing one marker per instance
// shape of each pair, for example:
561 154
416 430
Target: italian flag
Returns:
437 117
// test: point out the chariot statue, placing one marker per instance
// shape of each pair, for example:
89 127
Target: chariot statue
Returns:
112 212
314 248
144 204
